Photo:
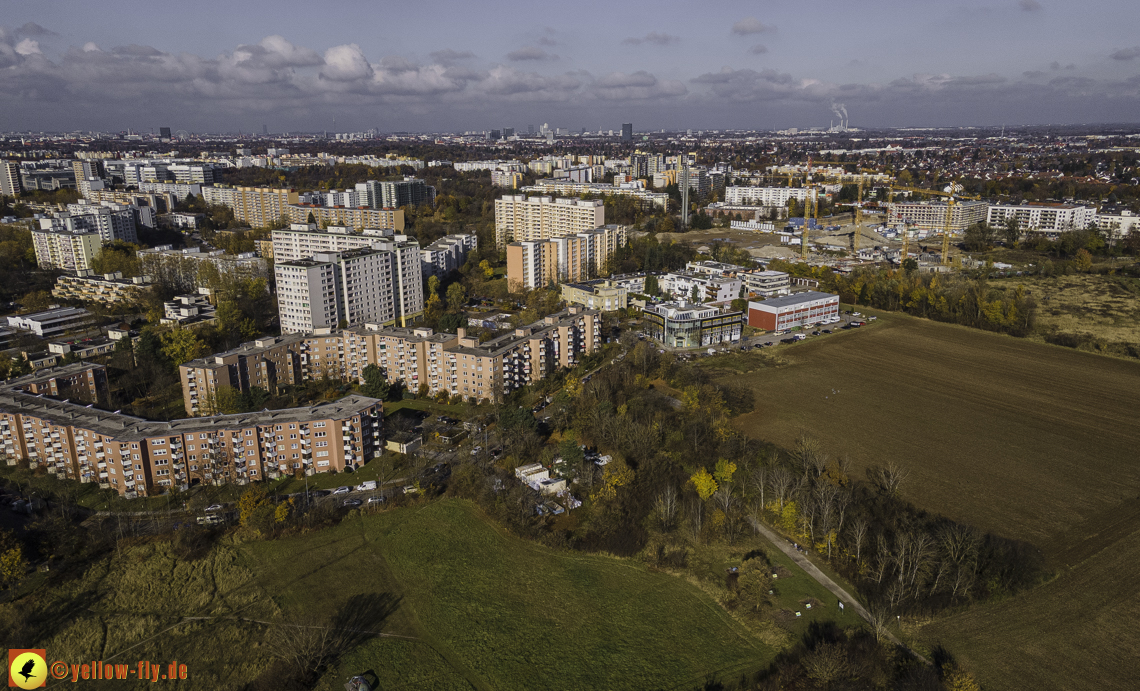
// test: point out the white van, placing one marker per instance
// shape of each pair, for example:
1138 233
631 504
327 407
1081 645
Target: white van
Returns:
366 486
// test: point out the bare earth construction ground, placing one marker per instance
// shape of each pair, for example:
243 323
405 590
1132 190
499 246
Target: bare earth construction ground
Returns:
1027 440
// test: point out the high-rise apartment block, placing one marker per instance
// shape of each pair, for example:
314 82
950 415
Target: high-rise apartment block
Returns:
447 254
506 178
381 285
303 240
522 219
355 217
62 249
10 178
257 206
1042 217
566 258
457 365
764 196
394 194
110 220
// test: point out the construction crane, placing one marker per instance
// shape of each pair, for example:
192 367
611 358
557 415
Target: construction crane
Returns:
953 194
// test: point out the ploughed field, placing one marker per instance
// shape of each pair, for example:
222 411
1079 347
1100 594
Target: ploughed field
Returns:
1030 441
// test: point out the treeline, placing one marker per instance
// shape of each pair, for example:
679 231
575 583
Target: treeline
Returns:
645 254
954 298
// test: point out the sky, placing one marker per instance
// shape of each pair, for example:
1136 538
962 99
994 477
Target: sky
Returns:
444 65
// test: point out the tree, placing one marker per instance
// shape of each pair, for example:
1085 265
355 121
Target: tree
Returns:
910 264
1011 230
488 272
695 295
13 566
375 383
651 286
254 497
1083 260
456 297
182 345
433 285
978 237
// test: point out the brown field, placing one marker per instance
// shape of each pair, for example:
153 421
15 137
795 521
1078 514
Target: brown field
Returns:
1016 437
1027 440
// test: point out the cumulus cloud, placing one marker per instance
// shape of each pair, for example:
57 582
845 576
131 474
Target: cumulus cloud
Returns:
28 47
530 53
448 56
758 49
547 41
1126 53
635 86
653 37
749 26
346 63
1029 5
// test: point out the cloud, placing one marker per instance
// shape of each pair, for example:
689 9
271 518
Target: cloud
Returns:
1029 5
448 56
346 63
547 41
749 26
635 86
530 53
758 49
28 47
137 51
1126 54
654 38
33 29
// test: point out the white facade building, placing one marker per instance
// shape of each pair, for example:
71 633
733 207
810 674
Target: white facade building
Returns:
302 240
709 288
1118 225
519 218
447 254
1048 218
112 221
764 196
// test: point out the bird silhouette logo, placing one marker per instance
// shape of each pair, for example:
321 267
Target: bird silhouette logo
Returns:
27 669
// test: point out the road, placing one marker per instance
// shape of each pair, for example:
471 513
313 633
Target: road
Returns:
812 570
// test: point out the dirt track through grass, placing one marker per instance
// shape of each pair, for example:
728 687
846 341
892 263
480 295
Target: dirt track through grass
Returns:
1020 438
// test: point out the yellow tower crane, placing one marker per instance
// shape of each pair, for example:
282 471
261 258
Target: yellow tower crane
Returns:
953 194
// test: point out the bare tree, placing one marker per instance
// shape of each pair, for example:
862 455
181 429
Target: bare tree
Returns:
888 480
725 499
781 481
665 508
858 534
809 453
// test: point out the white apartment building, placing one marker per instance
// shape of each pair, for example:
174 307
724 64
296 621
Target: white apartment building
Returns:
931 216
1118 225
53 322
709 288
519 218
447 254
302 240
1048 218
10 178
568 186
366 285
110 220
178 190
764 196
766 283
61 249
713 268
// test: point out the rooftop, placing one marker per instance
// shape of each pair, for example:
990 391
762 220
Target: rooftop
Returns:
797 298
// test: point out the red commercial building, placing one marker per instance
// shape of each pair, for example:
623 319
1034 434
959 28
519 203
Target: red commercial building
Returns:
791 311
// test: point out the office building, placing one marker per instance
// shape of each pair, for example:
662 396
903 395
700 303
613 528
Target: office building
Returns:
70 251
10 178
627 132
138 457
766 283
794 311
567 258
381 285
519 218
53 323
685 325
447 254
163 132
602 294
1042 217
107 289
931 216
257 206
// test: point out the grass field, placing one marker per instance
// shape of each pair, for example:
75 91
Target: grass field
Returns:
461 604
1028 440
1020 438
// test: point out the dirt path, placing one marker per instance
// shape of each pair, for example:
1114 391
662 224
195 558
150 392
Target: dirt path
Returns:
812 570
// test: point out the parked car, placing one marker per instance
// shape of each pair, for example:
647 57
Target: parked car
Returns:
342 490
410 489
375 500
475 451
352 502
214 507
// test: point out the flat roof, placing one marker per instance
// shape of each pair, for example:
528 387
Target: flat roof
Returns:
796 298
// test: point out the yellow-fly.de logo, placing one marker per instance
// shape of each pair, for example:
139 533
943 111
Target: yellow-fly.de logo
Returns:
27 669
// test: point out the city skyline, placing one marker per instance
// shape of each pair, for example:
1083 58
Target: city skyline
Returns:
447 66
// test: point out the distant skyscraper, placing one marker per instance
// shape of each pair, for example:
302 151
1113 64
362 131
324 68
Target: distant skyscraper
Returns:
496 135
164 132
508 132
530 129
627 132
265 129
